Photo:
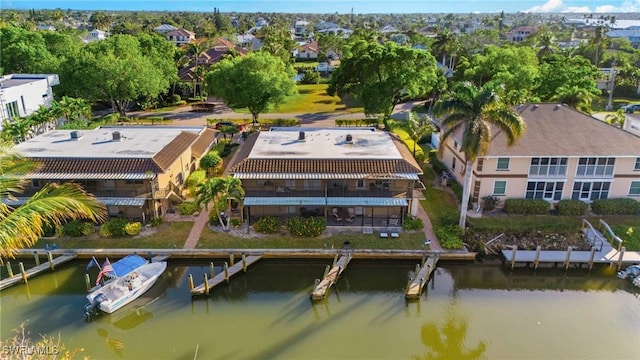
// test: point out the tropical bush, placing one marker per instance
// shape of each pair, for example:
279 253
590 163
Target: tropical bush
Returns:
156 221
572 207
236 223
412 223
406 139
526 206
490 202
267 225
211 161
620 206
307 227
449 236
77 228
196 178
133 229
188 208
113 227
309 76
279 122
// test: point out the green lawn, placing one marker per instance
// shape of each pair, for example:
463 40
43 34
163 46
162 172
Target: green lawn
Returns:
166 236
221 240
312 99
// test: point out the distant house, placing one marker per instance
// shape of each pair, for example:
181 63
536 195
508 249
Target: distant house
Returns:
388 29
221 48
300 27
249 41
521 33
180 36
307 51
632 125
260 22
633 35
165 28
593 160
95 35
22 94
46 28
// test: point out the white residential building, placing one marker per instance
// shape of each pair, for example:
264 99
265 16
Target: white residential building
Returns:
95 35
22 94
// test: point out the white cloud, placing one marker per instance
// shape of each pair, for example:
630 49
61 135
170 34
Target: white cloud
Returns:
575 9
549 6
606 9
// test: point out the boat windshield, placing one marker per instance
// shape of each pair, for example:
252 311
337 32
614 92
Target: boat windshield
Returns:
127 264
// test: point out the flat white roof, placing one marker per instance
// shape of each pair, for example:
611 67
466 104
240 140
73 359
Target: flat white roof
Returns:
135 142
324 143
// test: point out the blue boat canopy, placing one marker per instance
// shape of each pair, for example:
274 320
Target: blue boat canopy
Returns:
127 264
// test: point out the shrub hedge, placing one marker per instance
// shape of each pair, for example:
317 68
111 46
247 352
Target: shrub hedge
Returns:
449 236
196 178
188 208
279 122
526 206
267 225
411 223
572 207
77 228
114 227
619 206
406 139
307 227
133 229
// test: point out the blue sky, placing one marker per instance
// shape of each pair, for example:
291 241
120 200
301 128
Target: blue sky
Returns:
340 6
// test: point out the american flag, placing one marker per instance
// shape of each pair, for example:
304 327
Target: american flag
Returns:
106 269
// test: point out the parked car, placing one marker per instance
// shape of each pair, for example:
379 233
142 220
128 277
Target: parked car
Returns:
631 108
219 125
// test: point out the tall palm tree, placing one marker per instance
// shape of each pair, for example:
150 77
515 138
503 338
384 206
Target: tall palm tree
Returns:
470 113
575 97
22 226
417 128
220 190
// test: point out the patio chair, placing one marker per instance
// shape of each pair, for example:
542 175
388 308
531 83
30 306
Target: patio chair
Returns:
350 218
394 221
335 214
384 234
394 233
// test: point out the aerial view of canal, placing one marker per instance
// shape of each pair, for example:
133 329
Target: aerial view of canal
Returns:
468 311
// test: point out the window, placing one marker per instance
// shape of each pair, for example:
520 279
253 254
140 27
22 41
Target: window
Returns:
634 190
360 184
548 190
637 167
456 145
548 167
503 164
499 187
453 163
130 182
36 183
598 167
12 110
583 190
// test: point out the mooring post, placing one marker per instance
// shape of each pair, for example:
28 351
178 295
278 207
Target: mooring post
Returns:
567 261
622 250
536 260
24 274
50 257
417 270
335 259
424 258
244 262
190 282
212 271
206 284
87 281
326 271
36 258
409 282
9 269
591 257
514 250
226 272
231 259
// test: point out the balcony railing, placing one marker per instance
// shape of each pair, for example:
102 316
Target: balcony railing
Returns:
284 191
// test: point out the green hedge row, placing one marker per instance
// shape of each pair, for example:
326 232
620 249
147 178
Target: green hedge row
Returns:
620 206
357 122
526 206
406 139
572 207
449 236
267 225
307 227
411 223
188 208
279 122
117 227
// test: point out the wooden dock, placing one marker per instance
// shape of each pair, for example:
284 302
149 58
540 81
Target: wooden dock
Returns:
29 273
423 274
330 277
224 276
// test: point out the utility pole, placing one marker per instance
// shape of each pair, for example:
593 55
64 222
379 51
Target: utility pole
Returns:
612 77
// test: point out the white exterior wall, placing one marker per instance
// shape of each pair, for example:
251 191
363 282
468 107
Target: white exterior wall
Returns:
29 91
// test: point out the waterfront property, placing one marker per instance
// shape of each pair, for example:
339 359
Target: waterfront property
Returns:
563 154
22 94
353 177
134 171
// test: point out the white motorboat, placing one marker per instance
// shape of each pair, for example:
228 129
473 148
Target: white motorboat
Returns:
123 290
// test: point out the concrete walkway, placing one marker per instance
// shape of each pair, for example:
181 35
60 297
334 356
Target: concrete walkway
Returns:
196 230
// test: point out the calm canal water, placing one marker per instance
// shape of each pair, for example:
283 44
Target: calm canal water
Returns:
468 311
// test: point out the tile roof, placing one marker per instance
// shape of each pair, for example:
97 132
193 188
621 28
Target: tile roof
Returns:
204 142
165 157
52 165
558 130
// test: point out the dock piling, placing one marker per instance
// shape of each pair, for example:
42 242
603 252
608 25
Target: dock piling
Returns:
206 284
326 271
212 271
9 269
244 263
592 255
622 250
24 274
514 249
335 260
536 261
231 259
190 282
36 258
417 269
87 281
567 261
50 257
226 272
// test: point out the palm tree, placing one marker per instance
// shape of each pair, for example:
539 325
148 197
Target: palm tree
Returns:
18 130
616 119
220 190
470 113
575 97
71 109
446 43
418 128
22 226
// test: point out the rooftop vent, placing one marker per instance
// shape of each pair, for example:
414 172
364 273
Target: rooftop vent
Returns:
349 139
557 107
116 136
75 135
301 135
